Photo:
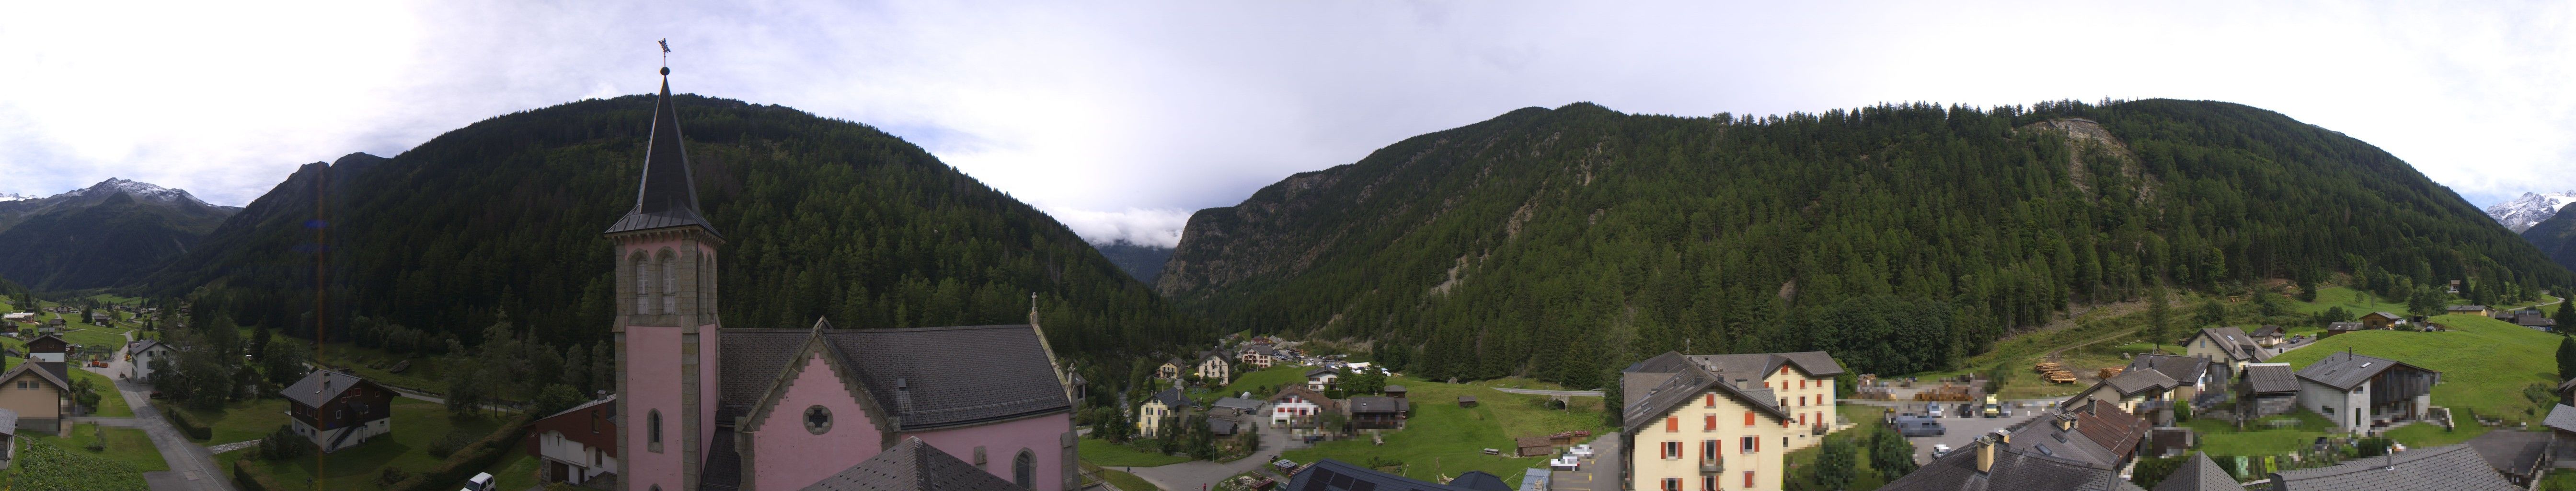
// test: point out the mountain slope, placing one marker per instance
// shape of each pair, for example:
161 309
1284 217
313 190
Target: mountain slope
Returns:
2556 236
104 235
821 218
1542 242
1143 262
2530 209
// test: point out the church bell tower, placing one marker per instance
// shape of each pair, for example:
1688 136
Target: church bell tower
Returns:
666 328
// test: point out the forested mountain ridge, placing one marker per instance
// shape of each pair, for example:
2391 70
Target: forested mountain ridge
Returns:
1554 243
821 217
100 236
2556 236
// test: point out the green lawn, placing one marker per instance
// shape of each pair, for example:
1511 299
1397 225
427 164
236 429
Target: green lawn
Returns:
42 465
243 421
2355 301
2221 437
518 471
416 424
1443 439
129 445
1103 452
2485 363
110 403
1867 422
1124 481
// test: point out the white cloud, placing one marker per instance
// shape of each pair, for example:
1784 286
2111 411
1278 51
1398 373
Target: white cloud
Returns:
1149 227
1161 106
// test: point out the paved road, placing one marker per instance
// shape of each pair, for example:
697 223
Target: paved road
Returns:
1575 393
1200 474
192 467
1587 475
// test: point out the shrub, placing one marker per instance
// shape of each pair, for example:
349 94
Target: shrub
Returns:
448 446
285 444
250 478
186 426
391 476
471 459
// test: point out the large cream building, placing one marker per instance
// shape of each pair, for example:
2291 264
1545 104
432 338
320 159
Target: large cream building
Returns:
1722 422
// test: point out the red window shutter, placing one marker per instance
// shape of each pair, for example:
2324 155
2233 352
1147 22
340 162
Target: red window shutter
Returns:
1712 400
1748 418
1672 424
1748 479
1802 400
1802 419
1712 422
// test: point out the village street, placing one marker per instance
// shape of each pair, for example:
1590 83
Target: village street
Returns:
192 466
1201 475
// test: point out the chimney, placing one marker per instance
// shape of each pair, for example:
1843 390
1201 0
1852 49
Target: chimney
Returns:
1986 453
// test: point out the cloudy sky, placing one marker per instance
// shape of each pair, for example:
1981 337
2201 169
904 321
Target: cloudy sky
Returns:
1120 117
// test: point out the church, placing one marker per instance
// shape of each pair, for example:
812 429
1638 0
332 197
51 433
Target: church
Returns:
702 406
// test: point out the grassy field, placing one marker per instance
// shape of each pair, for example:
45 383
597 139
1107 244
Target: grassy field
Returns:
1262 383
1443 439
1103 452
2221 437
110 403
416 425
2354 301
2485 363
518 471
242 421
129 445
423 373
1867 422
1122 480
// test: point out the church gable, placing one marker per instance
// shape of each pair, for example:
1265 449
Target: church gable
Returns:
801 381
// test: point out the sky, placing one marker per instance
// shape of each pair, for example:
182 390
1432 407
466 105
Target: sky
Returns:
1120 118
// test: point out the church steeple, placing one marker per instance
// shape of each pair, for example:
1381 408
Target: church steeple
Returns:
668 196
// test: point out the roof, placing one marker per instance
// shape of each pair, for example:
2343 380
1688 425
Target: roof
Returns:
2271 377
668 196
913 466
1237 403
1309 395
2016 468
2384 314
1681 387
2232 341
612 408
2512 452
1335 475
1220 426
31 342
1391 389
1322 371
320 386
8 422
2466 308
2561 418
2343 326
1376 404
2345 370
140 346
2140 381
1479 480
2199 474
929 377
2454 467
1816 363
2115 430
1533 441
2533 319
2182 369
2270 330
1171 398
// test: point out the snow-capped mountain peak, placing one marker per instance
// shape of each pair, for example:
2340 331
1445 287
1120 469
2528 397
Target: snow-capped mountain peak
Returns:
6 197
141 190
2530 209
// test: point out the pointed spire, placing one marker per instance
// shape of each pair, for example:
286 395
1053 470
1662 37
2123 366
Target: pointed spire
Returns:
668 195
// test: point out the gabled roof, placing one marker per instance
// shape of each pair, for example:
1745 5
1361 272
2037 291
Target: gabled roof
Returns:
2562 417
2199 474
931 377
1680 388
2232 341
1480 481
2512 452
321 386
612 408
2271 377
2344 370
1377 404
1335 475
2182 369
2466 308
2113 429
1322 371
2270 330
2018 466
1237 403
2453 468
143 345
2385 314
1171 398
1309 395
913 466
31 342
1815 363
668 195
2131 383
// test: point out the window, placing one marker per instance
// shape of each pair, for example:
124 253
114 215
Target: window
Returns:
1708 450
1712 423
653 427
1711 400
1802 401
670 285
1802 419
1672 484
1024 469
1708 483
818 419
643 286
1751 445
1672 450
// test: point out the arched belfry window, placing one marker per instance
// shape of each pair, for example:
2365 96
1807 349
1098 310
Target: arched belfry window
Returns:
643 286
670 284
1024 469
653 427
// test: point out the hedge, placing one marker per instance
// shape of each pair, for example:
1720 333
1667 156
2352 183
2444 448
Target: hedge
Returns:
186 426
250 478
472 459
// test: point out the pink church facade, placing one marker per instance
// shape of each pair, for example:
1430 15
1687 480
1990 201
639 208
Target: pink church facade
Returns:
705 407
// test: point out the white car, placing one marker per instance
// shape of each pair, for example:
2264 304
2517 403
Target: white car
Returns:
482 481
1936 410
1939 450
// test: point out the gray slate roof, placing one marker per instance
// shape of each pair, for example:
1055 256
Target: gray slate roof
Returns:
1376 404
2454 467
140 346
1480 480
1171 398
2232 341
2561 418
2015 469
1671 390
2344 326
913 466
951 375
2199 474
2511 452
2135 382
2271 377
310 389
2344 370
8 422
2182 369
668 196
1237 403
1335 475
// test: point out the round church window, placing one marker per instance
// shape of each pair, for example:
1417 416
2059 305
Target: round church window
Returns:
818 419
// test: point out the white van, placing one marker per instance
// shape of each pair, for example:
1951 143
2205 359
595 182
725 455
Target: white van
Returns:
482 481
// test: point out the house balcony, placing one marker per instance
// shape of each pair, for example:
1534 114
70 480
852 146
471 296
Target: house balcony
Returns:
1712 466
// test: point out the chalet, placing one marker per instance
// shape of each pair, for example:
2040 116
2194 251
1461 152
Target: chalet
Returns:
338 410
2562 432
2267 389
2340 328
2477 310
1322 379
2269 335
1216 365
2192 375
2521 456
1378 413
101 318
1171 369
39 394
2361 392
1234 408
2451 468
49 348
576 445
1686 415
1222 427
144 356
1258 355
1167 405
2535 321
1395 391
1533 446
1296 406
2227 345
2381 320
2134 391
1335 475
2081 448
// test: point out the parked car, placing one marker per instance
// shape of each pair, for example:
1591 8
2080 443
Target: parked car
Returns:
1993 408
1940 450
482 481
1913 427
1936 410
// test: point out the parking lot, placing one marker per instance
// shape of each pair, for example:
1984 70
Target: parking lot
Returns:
1605 454
1959 431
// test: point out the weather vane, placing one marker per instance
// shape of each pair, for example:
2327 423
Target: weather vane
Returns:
666 55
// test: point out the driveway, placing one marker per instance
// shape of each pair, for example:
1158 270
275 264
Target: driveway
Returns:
1200 475
192 466
1588 472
